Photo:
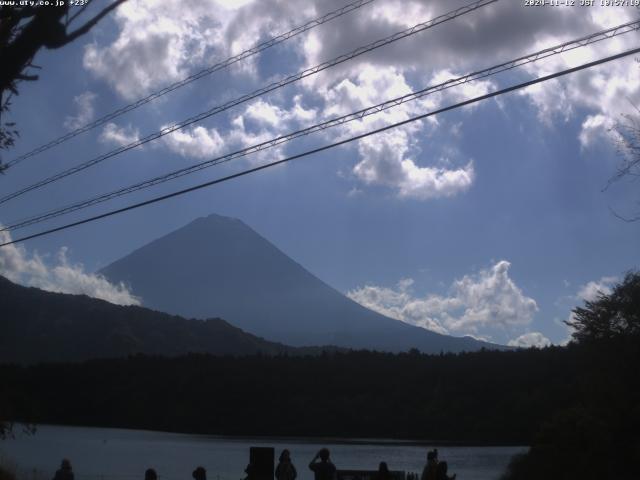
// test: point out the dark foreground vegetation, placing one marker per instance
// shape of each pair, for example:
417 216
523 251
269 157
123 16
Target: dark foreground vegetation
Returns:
498 397
596 435
577 406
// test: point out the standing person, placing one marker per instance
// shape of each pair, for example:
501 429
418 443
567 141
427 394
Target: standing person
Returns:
250 471
430 469
441 472
285 469
65 471
324 469
199 474
150 474
383 472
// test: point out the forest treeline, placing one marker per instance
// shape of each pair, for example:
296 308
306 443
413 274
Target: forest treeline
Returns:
578 406
485 397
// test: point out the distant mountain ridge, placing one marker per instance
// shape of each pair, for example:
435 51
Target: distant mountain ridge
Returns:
219 267
38 326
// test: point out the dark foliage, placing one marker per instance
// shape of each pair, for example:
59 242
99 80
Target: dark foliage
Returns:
24 30
597 435
483 397
610 316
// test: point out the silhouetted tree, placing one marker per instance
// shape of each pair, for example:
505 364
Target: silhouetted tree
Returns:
596 436
628 146
610 316
24 30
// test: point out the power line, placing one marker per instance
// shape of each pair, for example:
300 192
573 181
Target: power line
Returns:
518 62
269 88
196 76
329 146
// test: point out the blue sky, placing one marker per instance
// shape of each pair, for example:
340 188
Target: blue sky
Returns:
488 221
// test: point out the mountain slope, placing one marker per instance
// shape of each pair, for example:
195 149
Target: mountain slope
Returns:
218 266
42 326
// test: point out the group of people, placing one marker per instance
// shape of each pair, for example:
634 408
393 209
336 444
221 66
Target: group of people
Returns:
320 465
323 469
65 472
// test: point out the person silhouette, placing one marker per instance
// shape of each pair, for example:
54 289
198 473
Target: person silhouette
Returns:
383 472
150 474
65 472
199 474
441 472
429 472
324 469
285 469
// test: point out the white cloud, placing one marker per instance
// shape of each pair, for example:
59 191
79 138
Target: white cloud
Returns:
157 43
462 45
233 4
388 159
369 86
385 161
259 122
197 142
481 338
588 292
264 113
243 135
31 270
354 192
492 299
529 340
461 92
478 304
83 104
161 42
594 127
121 136
604 91
591 290
277 117
399 304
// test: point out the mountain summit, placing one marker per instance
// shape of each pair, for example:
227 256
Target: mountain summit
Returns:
219 267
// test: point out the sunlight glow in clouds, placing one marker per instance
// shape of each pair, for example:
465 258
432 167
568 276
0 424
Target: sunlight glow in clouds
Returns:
481 304
31 270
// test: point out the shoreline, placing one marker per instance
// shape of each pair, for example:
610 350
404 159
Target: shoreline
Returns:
337 440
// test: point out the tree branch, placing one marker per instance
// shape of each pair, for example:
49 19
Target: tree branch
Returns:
29 78
90 24
625 219
78 13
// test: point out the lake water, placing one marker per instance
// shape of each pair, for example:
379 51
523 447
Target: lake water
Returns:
118 454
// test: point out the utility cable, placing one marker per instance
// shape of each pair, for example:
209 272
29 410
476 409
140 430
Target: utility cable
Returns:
518 62
329 146
196 76
269 88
